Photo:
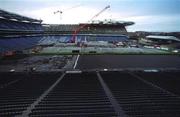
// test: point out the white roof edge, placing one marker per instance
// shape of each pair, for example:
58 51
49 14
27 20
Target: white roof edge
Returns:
163 37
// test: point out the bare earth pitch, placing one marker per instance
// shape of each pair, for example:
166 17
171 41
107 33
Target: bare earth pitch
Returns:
86 62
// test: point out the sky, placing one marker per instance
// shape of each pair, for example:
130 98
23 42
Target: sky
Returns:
148 15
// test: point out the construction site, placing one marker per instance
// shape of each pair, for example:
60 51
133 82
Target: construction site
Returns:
88 69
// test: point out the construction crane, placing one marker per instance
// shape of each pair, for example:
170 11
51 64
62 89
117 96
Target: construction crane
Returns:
73 39
62 11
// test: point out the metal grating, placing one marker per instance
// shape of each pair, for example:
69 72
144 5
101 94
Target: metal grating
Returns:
16 97
76 95
167 80
8 79
136 94
139 98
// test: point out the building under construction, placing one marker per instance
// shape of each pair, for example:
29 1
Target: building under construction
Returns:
42 73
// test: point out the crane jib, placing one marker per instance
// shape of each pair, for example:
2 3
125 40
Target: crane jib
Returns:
76 31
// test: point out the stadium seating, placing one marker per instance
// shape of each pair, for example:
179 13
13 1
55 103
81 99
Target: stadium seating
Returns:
84 95
62 27
9 25
70 28
167 80
26 42
17 43
77 95
48 40
15 98
110 38
13 22
140 98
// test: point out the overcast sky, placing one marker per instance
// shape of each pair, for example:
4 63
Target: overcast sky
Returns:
148 15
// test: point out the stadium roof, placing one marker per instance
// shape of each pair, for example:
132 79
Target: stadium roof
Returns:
163 37
15 17
112 22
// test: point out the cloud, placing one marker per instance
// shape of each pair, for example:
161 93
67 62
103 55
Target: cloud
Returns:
68 16
83 13
72 14
155 23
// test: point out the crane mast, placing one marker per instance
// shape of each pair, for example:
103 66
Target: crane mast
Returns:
73 39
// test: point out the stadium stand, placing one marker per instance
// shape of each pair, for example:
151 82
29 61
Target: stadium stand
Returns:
91 28
105 28
76 95
110 93
109 38
140 98
52 39
18 96
63 28
154 39
21 43
17 43
14 23
53 85
167 80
